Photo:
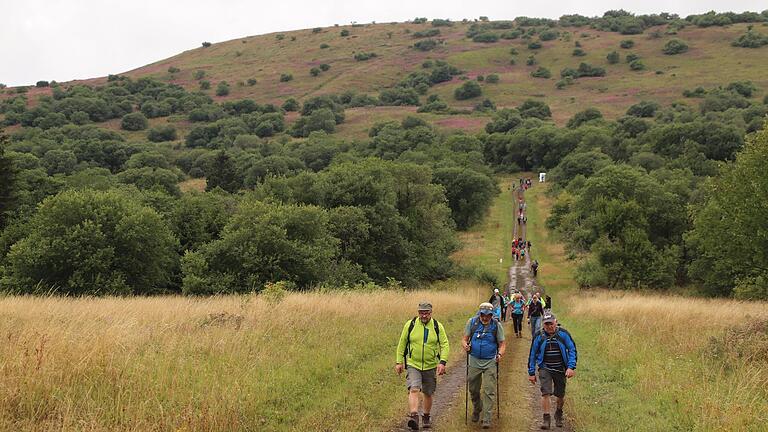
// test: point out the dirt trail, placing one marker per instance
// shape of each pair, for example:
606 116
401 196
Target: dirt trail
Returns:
527 284
451 386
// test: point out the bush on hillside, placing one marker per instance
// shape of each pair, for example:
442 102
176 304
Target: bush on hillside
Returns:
285 77
627 43
486 38
134 122
578 52
612 57
674 46
637 65
744 88
541 72
750 39
162 133
425 45
441 22
206 44
314 71
492 79
468 90
344 33
643 109
363 56
534 109
222 88
548 35
534 45
290 105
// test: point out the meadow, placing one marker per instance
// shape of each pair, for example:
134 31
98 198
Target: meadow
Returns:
313 361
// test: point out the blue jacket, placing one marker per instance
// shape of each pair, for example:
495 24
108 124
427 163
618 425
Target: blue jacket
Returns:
483 339
539 345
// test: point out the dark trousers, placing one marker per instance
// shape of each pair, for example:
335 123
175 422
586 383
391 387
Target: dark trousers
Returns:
517 320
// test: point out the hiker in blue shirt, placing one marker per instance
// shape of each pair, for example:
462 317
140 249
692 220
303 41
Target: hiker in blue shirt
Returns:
553 351
484 342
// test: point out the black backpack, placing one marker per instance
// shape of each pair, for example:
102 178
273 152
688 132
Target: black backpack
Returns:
408 339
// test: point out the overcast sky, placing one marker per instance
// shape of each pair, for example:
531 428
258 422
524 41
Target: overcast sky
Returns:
76 39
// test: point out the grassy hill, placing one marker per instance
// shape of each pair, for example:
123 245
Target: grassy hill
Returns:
711 61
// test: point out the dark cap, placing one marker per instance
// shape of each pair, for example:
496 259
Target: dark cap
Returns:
548 318
425 306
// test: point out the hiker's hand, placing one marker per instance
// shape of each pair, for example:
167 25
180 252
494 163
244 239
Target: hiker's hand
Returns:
532 379
399 368
441 369
569 373
466 346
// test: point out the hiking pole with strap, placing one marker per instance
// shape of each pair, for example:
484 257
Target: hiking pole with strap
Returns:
466 392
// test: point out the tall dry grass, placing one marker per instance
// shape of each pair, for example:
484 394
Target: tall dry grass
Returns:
318 361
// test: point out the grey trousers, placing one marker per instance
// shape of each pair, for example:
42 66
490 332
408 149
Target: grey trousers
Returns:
482 390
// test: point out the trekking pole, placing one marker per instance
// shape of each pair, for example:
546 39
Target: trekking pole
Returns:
466 392
498 395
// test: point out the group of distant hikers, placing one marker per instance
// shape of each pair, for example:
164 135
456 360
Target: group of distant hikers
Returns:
423 349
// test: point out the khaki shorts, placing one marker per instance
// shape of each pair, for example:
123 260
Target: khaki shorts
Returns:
425 380
550 379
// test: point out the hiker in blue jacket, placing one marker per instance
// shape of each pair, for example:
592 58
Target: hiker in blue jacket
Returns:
554 352
484 342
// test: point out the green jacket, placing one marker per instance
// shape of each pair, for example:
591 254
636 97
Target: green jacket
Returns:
423 355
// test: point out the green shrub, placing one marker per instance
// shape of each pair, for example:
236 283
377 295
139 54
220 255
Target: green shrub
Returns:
317 30
222 88
279 37
134 121
425 44
252 82
637 65
578 52
492 79
324 46
205 85
563 83
674 46
286 77
314 71
427 33
173 70
534 45
441 23
344 33
486 38
41 84
627 43
631 57
206 44
363 56
290 105
612 57
531 60
199 74
744 88
162 133
643 109
541 72
468 90
548 35
324 67
750 39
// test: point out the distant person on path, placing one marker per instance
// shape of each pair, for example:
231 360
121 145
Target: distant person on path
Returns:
548 303
498 303
535 267
507 299
517 305
535 311
484 341
422 352
553 351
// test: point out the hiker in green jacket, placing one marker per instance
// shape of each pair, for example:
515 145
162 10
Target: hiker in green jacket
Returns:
422 352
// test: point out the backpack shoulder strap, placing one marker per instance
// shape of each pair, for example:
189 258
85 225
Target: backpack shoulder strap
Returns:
408 337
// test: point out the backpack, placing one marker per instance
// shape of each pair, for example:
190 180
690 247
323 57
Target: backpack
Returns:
475 324
560 339
408 339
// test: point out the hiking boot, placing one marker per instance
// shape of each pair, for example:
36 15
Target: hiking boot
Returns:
486 424
559 418
546 423
475 416
426 423
413 421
